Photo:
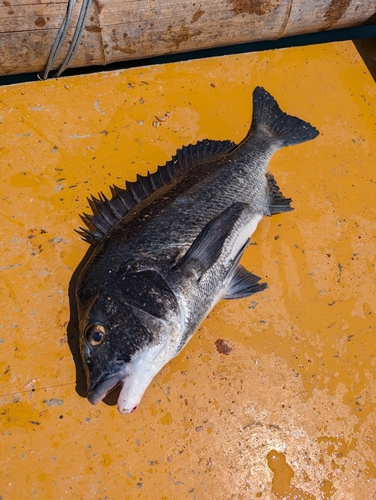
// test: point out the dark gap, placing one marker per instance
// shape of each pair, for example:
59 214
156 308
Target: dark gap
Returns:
367 51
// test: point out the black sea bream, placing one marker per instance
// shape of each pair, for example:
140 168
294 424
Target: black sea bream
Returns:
167 249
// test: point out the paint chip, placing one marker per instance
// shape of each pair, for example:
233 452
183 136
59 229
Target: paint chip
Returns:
54 402
223 346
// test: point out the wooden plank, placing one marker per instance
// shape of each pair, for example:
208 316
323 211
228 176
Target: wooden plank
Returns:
135 29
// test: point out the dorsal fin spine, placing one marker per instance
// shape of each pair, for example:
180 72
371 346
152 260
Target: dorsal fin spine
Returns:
106 209
116 204
163 172
131 189
152 181
86 219
156 180
99 207
98 221
170 169
127 198
145 184
91 236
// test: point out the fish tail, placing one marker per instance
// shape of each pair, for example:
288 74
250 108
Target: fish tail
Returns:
269 118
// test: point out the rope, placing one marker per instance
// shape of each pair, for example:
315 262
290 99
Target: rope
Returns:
62 33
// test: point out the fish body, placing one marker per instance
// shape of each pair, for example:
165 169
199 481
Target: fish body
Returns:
167 249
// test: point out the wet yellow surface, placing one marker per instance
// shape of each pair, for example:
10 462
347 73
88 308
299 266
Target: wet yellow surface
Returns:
289 413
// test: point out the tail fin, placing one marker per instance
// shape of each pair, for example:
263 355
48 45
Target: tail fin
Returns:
286 129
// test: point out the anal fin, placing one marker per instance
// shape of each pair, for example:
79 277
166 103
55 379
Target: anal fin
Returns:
243 284
277 202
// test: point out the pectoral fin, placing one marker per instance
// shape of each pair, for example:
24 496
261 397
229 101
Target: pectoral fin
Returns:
207 247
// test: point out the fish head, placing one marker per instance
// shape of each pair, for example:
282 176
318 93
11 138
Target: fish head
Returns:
128 332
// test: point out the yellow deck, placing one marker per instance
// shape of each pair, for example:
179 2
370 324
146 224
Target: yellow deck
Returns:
290 412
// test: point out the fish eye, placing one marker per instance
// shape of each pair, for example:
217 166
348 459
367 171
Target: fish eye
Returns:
96 334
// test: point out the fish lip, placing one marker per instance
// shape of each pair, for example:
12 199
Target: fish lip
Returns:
117 376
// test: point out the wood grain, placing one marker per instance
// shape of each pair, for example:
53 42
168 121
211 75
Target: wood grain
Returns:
134 29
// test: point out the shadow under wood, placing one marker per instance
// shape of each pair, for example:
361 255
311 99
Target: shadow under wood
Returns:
367 51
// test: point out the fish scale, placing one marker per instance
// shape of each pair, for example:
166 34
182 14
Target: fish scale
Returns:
168 247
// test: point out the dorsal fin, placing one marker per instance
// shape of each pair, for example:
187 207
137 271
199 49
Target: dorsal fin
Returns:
106 212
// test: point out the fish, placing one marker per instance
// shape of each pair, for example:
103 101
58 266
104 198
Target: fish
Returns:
167 247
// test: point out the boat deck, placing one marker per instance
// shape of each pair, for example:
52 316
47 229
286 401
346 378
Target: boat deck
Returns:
290 412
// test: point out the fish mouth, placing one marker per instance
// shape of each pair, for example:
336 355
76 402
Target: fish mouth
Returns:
108 383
